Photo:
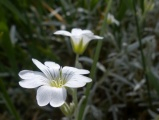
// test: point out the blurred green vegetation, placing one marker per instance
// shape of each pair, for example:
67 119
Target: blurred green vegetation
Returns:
119 90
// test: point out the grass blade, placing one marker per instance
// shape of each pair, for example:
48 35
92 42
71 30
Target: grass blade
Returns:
8 102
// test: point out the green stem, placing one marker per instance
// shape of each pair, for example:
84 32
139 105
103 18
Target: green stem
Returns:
8 101
74 94
95 60
74 90
142 6
76 60
78 107
141 52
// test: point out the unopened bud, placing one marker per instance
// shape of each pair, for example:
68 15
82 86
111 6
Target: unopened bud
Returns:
68 109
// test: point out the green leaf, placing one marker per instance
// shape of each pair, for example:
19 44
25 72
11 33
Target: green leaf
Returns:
123 7
8 47
13 9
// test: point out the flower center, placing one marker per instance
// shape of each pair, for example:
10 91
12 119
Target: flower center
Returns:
57 83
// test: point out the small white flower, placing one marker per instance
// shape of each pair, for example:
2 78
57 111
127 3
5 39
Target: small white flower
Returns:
79 38
111 19
52 81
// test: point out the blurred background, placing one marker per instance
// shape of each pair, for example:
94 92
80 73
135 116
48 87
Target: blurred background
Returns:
126 83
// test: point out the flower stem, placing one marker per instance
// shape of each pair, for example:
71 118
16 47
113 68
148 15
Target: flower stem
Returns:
8 102
75 97
141 52
74 90
76 60
74 93
95 60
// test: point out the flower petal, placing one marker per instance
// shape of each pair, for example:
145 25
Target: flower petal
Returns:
63 32
88 37
52 64
87 32
53 68
67 69
32 79
44 95
43 68
74 84
97 37
76 39
76 36
55 73
81 78
77 81
76 32
116 22
31 83
58 97
28 74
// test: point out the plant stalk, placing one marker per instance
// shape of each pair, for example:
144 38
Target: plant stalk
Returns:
74 94
142 53
95 60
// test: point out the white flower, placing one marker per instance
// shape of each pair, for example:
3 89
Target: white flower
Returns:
111 19
52 81
79 38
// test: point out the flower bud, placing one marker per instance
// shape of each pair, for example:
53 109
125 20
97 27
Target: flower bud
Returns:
68 109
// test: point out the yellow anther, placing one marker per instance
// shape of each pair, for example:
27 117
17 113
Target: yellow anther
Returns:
57 83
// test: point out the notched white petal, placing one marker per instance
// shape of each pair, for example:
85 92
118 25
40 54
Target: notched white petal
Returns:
77 81
58 97
39 65
52 64
76 39
76 31
67 69
28 74
44 95
74 84
63 32
87 32
43 68
31 83
81 78
97 37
